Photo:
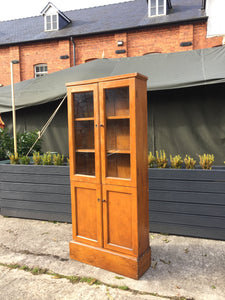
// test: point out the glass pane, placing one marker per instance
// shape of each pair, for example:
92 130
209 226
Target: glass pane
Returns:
161 10
54 21
153 11
118 165
118 135
85 164
117 132
48 22
84 135
153 3
117 101
83 105
161 3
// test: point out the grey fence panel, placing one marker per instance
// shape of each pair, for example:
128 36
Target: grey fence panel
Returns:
187 197
183 202
187 208
37 192
187 202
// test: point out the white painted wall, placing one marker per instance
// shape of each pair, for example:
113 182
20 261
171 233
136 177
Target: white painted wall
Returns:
215 10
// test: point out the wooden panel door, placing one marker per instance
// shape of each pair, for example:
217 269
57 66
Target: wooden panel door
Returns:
83 127
118 132
120 219
87 213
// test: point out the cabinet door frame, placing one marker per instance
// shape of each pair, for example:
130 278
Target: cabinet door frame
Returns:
72 138
130 83
134 223
99 230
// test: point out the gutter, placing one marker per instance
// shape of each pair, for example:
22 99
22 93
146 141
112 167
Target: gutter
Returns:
74 51
203 4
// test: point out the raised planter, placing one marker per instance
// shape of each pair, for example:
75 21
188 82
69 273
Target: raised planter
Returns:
35 192
185 202
188 202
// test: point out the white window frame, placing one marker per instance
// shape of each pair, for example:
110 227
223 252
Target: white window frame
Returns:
51 17
40 73
157 8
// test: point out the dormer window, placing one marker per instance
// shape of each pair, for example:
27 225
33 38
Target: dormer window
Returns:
51 22
54 18
157 7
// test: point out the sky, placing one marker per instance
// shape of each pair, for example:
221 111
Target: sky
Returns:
15 9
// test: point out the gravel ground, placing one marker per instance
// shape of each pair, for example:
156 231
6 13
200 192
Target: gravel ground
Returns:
181 267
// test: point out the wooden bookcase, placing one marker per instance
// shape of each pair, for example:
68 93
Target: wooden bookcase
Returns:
107 122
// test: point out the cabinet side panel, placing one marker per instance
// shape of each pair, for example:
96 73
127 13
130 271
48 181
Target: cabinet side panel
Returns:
142 164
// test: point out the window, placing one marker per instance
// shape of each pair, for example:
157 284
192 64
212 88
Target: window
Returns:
40 70
51 22
156 7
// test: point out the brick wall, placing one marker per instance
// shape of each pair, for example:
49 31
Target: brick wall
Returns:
163 39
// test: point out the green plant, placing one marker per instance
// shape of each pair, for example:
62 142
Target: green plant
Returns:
206 161
6 144
14 159
58 160
161 159
189 162
26 140
176 161
37 158
47 159
24 160
151 160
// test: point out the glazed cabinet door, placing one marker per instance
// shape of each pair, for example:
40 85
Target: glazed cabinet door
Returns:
83 127
117 129
86 213
120 219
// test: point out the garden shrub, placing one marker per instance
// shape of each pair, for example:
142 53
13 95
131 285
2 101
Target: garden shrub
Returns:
206 161
25 141
189 162
46 159
161 159
6 144
58 160
151 160
176 161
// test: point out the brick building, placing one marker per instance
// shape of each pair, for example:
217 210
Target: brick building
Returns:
55 40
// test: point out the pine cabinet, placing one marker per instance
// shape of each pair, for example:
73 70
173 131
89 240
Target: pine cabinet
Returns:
107 123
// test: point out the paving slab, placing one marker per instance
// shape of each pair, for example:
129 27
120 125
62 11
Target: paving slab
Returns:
181 267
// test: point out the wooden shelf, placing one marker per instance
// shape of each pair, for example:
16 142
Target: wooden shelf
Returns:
85 119
118 151
117 117
85 150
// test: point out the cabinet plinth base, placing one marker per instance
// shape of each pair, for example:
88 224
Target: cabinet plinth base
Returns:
129 266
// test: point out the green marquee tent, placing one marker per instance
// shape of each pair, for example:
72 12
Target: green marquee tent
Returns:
186 111
165 71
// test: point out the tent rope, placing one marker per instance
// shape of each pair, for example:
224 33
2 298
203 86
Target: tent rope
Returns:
44 128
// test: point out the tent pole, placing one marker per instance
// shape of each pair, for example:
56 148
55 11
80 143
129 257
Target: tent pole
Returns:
13 106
